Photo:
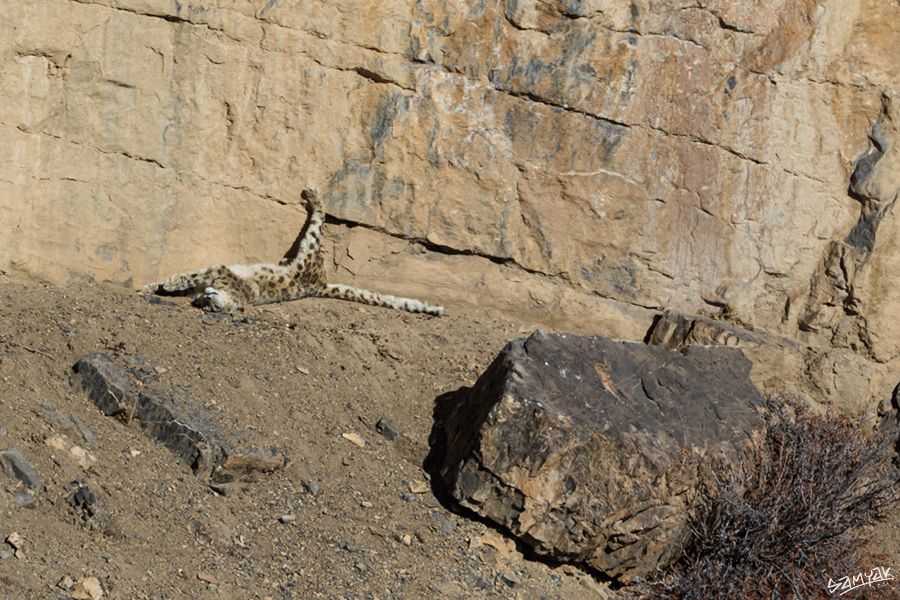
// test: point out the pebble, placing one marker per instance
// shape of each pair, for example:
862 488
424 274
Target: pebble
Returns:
354 438
88 588
310 487
287 518
510 578
418 487
15 540
386 428
207 578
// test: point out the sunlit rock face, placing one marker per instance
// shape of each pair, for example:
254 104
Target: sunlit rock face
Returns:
583 163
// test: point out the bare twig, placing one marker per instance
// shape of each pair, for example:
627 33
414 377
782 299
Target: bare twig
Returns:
30 349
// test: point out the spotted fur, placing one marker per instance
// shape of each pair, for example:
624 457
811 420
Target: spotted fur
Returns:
228 288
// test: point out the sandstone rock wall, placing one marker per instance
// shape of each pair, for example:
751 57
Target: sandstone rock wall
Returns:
586 161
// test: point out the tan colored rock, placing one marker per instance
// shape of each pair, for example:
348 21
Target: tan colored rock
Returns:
582 164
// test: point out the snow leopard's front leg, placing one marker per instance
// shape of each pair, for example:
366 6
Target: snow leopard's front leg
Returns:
184 282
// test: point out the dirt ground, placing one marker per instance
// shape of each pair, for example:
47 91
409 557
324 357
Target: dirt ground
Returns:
339 521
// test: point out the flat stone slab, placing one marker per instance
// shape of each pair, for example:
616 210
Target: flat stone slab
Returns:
16 467
591 450
172 418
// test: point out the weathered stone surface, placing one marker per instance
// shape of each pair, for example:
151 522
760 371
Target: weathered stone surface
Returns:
105 382
182 426
849 382
16 467
614 156
172 418
587 449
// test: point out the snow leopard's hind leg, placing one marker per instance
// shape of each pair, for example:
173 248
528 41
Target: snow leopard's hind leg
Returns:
308 263
346 292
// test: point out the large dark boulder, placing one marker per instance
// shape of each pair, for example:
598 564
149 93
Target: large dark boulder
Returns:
594 450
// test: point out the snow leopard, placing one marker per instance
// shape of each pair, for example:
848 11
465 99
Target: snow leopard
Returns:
301 274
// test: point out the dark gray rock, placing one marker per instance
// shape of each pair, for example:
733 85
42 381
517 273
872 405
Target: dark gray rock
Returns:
105 382
592 450
386 428
92 509
17 468
182 426
171 418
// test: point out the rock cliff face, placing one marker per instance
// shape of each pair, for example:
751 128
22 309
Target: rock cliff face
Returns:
584 161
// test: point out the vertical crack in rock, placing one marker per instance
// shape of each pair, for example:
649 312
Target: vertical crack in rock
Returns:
834 302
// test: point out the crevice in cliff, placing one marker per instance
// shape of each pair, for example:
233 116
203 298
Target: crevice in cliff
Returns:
834 304
704 142
128 155
532 97
723 24
165 16
428 245
362 71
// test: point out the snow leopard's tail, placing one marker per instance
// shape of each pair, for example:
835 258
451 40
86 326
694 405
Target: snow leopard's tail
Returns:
345 292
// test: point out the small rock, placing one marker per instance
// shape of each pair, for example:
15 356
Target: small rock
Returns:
409 497
209 319
310 487
361 566
207 578
15 540
418 487
16 467
225 489
66 583
88 588
386 428
510 578
93 510
287 518
354 438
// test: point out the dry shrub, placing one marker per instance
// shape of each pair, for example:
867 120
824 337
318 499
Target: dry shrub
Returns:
793 514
